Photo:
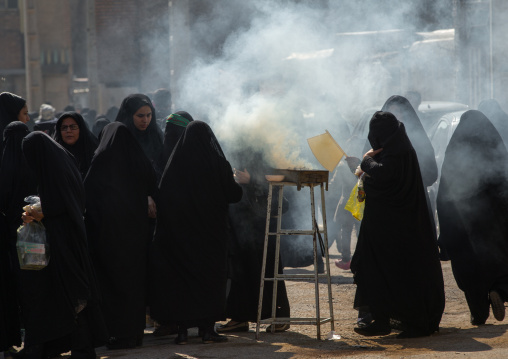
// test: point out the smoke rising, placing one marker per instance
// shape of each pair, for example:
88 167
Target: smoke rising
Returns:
287 71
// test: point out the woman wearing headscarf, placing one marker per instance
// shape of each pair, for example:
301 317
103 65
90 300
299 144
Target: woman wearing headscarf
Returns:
404 112
396 265
12 108
16 182
248 225
188 258
497 117
138 114
73 134
175 127
472 205
100 122
60 302
117 186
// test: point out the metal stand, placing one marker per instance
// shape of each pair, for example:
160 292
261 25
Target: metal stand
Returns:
315 233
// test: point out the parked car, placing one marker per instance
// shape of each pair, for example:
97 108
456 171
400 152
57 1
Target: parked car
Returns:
439 136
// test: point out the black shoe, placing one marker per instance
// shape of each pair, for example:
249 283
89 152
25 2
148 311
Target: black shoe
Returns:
182 338
374 329
497 305
475 321
210 336
165 329
121 343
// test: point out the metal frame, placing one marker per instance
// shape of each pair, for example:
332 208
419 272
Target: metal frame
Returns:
279 276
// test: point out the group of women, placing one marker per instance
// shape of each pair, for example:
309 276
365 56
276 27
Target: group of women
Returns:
396 262
101 201
135 219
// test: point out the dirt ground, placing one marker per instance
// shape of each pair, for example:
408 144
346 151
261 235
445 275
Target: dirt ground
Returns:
457 337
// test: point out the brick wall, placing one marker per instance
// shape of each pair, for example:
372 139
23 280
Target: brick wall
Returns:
11 40
118 23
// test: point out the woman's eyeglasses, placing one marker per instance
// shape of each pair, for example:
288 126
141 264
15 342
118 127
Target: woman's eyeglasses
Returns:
70 127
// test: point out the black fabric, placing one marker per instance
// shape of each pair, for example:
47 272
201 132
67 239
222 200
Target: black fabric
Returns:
47 127
472 205
396 264
172 134
150 139
117 187
84 148
49 297
100 123
188 269
10 106
497 116
406 114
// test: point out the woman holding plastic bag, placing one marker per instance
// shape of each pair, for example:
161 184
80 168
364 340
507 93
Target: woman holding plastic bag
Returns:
396 262
59 302
16 182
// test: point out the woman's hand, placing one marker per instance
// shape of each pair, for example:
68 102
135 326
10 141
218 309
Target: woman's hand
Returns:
352 162
372 153
241 177
31 214
152 208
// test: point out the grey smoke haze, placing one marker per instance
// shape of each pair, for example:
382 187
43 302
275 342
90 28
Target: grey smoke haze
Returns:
286 74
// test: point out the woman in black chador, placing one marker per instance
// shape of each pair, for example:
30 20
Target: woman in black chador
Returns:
16 182
138 114
497 116
248 222
401 108
73 134
188 269
175 127
60 302
12 108
396 265
472 206
117 187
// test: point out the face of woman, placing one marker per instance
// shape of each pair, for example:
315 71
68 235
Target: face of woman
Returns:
69 131
142 118
23 115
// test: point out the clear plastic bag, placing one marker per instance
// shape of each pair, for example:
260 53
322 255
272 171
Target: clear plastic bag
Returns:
32 246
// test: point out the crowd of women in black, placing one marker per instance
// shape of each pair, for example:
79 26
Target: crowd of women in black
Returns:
136 217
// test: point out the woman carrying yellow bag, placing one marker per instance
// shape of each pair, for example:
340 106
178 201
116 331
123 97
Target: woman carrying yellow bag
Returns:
396 262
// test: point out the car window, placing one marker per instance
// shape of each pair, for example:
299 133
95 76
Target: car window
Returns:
439 140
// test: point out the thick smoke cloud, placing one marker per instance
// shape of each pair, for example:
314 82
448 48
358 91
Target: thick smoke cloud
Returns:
275 73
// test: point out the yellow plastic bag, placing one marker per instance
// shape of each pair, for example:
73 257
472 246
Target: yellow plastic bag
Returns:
353 205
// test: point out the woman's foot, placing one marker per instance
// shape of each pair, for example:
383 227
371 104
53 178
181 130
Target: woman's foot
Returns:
375 328
121 343
211 336
165 329
233 326
342 264
181 338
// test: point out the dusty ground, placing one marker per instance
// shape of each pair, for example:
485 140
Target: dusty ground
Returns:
456 339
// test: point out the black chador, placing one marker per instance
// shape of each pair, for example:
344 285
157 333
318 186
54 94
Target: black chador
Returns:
189 253
117 186
396 265
472 206
52 299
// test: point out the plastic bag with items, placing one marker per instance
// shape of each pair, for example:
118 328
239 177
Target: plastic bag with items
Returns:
32 246
356 201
